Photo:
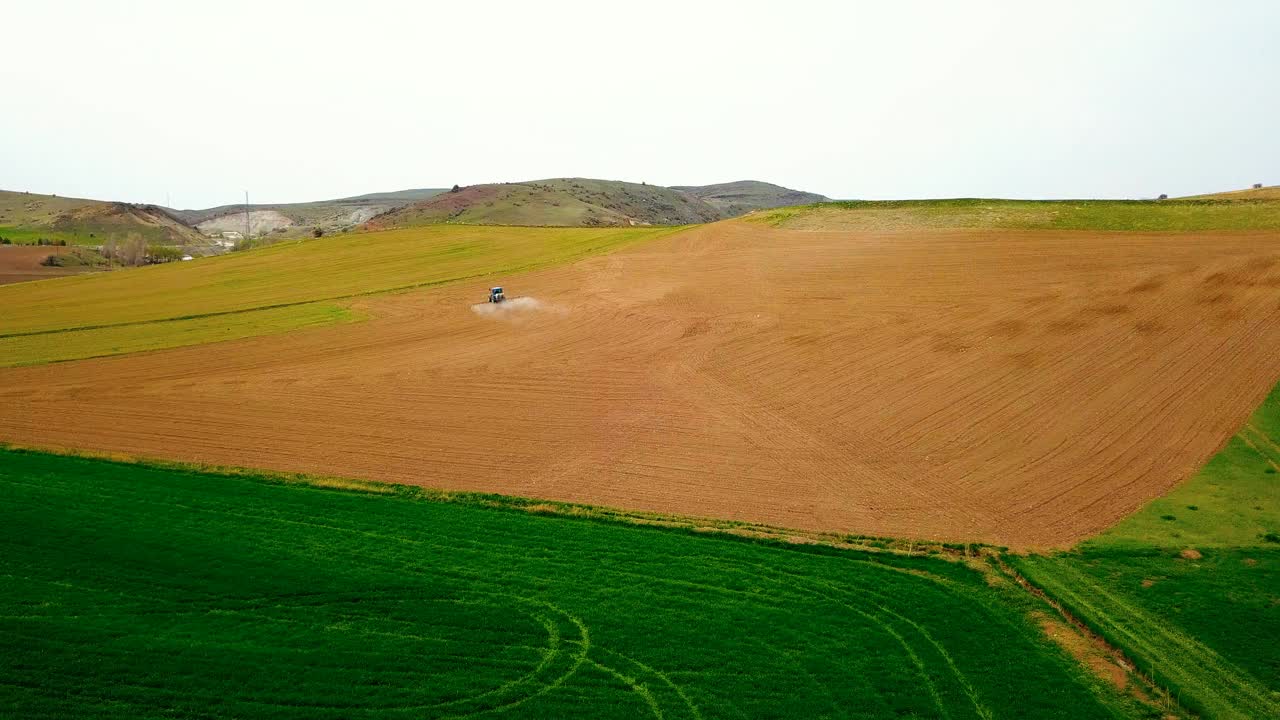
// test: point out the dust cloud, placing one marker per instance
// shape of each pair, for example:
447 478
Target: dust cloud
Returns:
510 309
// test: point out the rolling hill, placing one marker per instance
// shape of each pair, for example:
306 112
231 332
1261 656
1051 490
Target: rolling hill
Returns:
745 432
561 201
741 197
587 202
300 218
1270 192
1178 215
564 202
292 284
29 217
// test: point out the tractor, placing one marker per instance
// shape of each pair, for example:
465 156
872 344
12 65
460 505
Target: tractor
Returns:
495 295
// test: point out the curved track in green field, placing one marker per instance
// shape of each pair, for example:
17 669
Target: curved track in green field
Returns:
137 592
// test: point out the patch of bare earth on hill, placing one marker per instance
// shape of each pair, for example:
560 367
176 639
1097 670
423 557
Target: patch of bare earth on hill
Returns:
1007 387
261 222
1085 652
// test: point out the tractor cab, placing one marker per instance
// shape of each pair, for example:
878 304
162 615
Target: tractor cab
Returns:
495 295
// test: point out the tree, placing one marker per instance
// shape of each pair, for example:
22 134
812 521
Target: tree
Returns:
163 253
455 189
134 249
131 251
109 249
1163 197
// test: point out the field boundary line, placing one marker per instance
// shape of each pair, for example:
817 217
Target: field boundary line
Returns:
744 531
1238 686
1117 655
241 311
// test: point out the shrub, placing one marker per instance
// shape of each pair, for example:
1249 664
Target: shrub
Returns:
163 253
1272 537
317 232
1168 517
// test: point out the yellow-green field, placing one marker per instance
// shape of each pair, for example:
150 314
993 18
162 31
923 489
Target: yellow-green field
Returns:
1181 215
115 340
270 290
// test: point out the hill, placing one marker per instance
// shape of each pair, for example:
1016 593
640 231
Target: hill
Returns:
28 217
275 289
290 219
1271 192
744 196
561 201
1181 215
927 385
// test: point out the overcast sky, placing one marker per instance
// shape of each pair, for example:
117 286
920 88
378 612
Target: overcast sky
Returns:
200 101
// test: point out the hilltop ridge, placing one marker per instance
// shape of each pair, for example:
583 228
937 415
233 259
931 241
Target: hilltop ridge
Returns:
29 217
302 217
591 202
744 196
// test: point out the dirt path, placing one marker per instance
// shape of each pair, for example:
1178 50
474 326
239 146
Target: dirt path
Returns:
1021 388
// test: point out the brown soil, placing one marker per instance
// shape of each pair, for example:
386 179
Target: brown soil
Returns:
19 263
1190 554
957 385
1083 650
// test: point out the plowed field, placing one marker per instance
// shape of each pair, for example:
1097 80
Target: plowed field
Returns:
1026 388
20 263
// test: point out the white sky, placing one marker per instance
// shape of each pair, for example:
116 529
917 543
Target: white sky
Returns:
294 101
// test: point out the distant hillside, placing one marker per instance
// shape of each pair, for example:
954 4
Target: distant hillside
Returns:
558 202
586 202
1271 192
28 217
566 202
1179 215
739 198
300 218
